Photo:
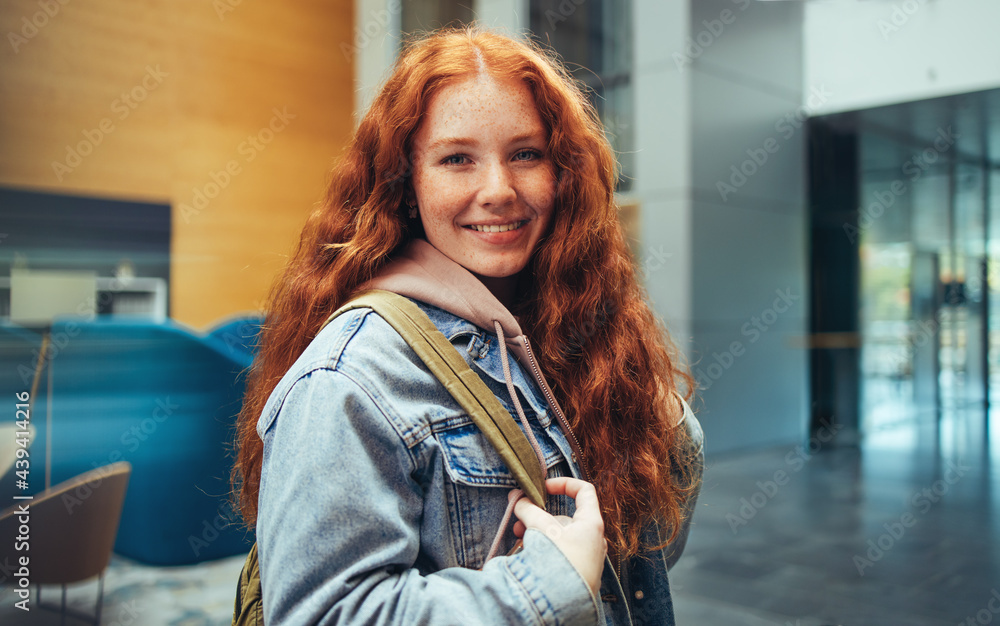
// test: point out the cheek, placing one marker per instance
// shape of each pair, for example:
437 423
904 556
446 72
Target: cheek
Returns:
440 205
542 193
421 185
435 191
439 201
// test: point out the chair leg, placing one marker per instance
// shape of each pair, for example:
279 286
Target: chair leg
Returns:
100 598
64 609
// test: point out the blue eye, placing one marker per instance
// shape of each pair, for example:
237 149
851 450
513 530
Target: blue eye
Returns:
527 155
455 159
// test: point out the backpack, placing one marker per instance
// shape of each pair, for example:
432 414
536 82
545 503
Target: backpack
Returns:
464 385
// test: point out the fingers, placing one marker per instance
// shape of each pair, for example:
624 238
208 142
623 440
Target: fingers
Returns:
588 509
580 538
519 526
530 516
587 506
519 529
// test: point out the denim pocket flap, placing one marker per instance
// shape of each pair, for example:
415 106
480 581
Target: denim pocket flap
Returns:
470 459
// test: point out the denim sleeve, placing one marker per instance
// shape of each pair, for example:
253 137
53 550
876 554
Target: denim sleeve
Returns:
339 527
696 438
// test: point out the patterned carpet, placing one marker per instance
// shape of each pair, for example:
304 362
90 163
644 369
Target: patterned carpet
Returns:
140 595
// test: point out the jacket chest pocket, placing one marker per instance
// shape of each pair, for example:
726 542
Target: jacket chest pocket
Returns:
477 483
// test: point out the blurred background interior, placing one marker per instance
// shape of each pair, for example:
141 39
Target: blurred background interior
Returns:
811 189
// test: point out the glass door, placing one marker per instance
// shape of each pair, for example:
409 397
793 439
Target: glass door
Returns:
925 286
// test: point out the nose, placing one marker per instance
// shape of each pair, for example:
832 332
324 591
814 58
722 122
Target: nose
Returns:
496 185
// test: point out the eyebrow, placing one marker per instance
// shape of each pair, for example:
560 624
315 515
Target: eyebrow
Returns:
470 142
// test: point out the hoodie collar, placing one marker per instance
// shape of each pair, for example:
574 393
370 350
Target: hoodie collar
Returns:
422 272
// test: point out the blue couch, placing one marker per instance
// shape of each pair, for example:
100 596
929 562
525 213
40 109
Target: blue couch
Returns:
162 398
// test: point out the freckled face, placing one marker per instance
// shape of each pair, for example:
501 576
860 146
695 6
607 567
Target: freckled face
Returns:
484 183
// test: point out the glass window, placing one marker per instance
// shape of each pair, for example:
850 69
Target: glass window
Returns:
594 38
425 15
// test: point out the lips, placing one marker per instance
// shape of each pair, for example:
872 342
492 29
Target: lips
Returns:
496 228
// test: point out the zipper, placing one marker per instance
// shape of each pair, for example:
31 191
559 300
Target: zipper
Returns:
628 609
626 593
550 398
575 445
621 567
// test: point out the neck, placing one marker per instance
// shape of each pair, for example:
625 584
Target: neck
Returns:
503 289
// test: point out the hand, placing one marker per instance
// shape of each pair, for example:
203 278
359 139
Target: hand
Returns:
580 538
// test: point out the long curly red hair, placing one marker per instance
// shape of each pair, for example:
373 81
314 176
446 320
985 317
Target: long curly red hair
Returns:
609 362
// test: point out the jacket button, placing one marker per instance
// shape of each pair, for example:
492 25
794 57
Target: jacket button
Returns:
639 595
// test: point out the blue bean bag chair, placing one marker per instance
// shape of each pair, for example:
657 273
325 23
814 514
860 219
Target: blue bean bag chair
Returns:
162 398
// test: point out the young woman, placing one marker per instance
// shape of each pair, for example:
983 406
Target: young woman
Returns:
479 185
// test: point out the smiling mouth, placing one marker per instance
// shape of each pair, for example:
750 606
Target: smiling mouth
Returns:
496 228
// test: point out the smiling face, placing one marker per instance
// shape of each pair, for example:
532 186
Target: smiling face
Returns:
483 180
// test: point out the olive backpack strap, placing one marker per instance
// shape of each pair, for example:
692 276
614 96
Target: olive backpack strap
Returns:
464 385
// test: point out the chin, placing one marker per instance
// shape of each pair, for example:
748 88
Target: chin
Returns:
498 272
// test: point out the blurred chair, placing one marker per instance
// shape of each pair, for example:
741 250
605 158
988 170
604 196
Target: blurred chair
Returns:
72 530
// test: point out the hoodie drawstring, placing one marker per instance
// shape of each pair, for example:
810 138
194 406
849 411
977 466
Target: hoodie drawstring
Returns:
516 494
517 403
512 499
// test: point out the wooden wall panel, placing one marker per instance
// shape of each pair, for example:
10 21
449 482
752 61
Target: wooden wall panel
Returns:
211 83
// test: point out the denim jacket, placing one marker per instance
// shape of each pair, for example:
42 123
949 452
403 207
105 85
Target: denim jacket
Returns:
379 498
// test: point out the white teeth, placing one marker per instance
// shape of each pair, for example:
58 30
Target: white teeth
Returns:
495 228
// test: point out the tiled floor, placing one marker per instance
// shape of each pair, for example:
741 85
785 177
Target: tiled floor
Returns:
904 531
781 537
